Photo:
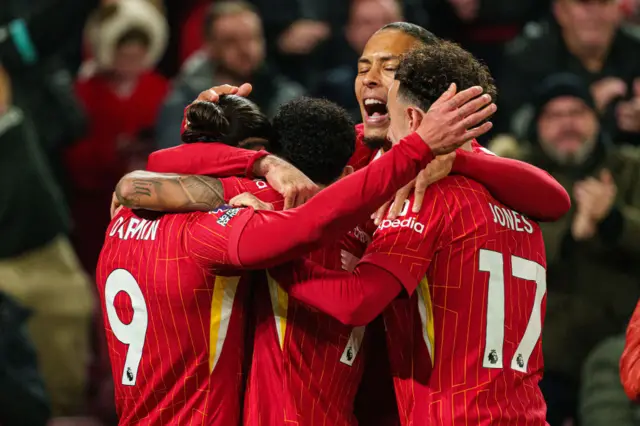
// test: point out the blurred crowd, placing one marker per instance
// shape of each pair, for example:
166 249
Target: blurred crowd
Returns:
88 88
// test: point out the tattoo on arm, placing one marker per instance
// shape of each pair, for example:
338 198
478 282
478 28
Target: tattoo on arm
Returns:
176 193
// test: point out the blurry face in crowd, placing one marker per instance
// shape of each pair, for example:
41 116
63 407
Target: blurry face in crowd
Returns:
588 23
376 70
367 17
567 129
129 59
5 91
237 44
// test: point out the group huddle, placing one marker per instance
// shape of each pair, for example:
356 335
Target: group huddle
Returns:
224 306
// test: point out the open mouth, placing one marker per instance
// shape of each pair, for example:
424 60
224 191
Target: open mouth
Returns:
376 110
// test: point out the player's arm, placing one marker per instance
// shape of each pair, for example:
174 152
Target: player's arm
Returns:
268 238
211 159
630 360
171 193
357 298
219 160
520 185
354 299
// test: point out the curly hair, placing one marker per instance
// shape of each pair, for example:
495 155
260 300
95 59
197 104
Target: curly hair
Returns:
426 72
230 121
315 135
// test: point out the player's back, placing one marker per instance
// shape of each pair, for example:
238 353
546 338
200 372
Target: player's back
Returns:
174 329
478 313
306 366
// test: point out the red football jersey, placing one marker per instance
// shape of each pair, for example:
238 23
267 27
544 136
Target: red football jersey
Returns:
306 365
465 347
174 327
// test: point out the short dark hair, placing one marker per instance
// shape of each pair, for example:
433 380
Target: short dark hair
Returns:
230 121
219 9
423 35
315 135
426 72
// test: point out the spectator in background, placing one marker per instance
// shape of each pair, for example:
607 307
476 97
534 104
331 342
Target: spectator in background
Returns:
122 96
39 268
602 398
234 54
587 41
365 18
484 27
593 252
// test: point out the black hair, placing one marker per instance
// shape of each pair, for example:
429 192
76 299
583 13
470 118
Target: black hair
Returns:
426 72
219 9
316 136
416 31
230 121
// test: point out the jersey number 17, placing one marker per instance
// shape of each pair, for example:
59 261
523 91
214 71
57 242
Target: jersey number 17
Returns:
493 262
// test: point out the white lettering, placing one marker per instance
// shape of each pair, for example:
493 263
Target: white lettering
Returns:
137 229
116 226
510 219
410 223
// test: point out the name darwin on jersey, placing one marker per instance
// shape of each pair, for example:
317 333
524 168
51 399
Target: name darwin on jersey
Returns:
138 229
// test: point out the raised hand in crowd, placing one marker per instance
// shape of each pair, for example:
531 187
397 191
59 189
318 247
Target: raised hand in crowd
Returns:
594 200
606 90
628 112
303 36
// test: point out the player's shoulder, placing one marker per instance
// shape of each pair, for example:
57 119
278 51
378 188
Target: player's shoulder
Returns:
237 185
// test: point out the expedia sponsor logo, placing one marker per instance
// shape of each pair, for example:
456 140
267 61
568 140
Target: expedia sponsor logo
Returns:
410 223
226 218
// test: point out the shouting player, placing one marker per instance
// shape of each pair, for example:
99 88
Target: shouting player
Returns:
464 344
171 294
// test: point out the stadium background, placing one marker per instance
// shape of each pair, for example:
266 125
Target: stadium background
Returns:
86 125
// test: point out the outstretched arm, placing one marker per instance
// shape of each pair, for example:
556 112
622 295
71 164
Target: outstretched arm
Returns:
354 299
524 187
170 193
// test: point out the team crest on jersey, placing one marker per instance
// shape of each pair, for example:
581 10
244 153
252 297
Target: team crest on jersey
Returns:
226 218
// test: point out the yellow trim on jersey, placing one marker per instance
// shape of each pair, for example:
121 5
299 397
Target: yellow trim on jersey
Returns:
280 304
224 294
425 307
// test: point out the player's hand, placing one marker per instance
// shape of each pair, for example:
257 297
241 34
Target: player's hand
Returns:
247 199
435 170
115 205
213 94
349 261
450 121
291 183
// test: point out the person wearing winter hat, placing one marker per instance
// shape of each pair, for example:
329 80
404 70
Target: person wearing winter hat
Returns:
597 243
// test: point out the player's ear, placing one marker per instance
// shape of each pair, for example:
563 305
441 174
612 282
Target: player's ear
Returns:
346 171
414 117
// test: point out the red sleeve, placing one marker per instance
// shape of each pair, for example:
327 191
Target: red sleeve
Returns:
209 237
630 360
352 298
333 212
519 185
404 247
233 186
210 159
